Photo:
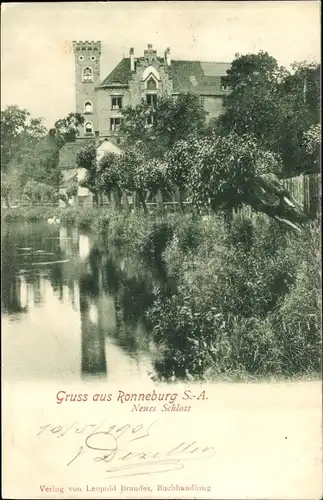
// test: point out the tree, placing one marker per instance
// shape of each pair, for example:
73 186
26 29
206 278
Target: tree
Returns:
39 163
154 179
252 107
86 158
312 145
299 105
18 130
108 177
131 173
5 189
179 163
157 129
29 152
274 105
230 171
39 192
66 129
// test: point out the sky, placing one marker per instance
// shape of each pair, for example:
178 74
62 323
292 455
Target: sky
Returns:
37 63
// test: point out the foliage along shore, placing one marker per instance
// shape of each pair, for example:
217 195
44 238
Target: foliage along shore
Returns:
80 217
244 299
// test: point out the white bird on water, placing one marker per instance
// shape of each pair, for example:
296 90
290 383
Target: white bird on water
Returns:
54 220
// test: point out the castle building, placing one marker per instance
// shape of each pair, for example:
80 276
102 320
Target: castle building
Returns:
134 78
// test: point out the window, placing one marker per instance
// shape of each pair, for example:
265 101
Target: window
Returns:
151 84
224 85
149 73
88 128
151 100
87 74
150 120
115 123
88 107
116 102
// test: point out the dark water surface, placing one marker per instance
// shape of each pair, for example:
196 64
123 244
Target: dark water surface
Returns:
69 309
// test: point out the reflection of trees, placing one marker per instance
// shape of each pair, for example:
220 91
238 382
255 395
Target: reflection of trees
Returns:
10 282
23 246
93 337
131 287
69 240
132 295
108 281
55 273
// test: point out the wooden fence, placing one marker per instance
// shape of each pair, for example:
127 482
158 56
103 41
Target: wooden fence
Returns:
306 190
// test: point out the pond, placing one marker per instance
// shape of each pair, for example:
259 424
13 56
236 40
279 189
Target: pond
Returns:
71 310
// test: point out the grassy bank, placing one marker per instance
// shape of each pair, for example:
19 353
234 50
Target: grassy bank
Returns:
81 217
244 298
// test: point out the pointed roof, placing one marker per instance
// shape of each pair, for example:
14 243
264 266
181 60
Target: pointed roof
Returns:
67 154
121 73
187 76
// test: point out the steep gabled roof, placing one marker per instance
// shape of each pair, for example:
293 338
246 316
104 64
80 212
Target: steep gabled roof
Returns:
121 73
67 155
198 76
188 76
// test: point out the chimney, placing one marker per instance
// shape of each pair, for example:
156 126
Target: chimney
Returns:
167 57
150 54
97 138
132 59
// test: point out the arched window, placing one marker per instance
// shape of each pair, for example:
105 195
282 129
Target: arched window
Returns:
88 128
87 74
151 84
88 107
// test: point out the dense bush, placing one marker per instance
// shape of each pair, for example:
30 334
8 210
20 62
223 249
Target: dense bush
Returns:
246 301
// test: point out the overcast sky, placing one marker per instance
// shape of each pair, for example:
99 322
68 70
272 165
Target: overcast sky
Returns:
37 66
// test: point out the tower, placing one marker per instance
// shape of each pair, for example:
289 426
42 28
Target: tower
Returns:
87 76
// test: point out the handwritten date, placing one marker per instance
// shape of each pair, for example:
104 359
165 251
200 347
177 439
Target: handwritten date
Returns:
127 450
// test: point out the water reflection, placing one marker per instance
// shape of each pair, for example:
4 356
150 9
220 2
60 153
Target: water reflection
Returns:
92 329
57 287
74 308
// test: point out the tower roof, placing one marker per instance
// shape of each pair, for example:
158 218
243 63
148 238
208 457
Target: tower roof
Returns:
82 46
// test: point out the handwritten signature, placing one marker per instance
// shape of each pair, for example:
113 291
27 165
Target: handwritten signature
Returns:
111 446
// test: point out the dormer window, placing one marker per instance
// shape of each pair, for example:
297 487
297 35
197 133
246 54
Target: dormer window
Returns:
149 73
87 74
223 84
151 84
88 128
88 107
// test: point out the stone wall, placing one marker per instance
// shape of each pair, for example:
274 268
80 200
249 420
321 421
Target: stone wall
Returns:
87 54
104 103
